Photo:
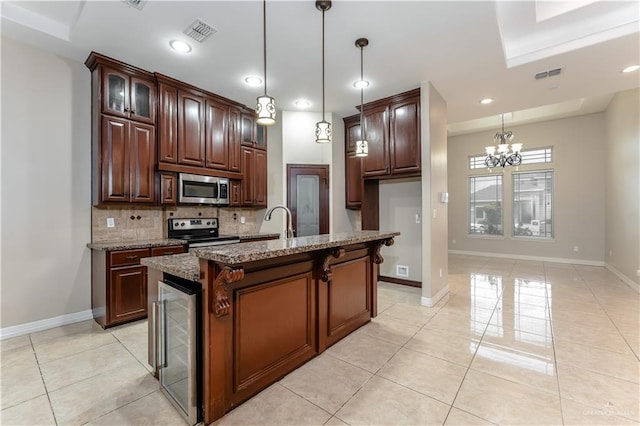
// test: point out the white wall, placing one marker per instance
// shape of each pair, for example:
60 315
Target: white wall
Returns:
622 185
400 201
46 194
275 176
578 216
434 181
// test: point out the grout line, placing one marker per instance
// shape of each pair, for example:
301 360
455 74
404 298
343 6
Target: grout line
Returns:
44 384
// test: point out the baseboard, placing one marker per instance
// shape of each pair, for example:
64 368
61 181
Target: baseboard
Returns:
432 301
628 281
522 257
45 324
401 281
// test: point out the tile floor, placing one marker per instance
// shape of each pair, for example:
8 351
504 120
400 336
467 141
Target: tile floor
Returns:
514 342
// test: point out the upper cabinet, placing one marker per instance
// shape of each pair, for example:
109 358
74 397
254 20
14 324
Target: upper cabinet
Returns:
353 164
128 96
123 133
392 128
253 135
200 132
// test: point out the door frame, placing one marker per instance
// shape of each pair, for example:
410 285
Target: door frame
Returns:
321 170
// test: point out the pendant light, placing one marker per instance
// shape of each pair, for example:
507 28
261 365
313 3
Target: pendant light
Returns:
362 146
266 105
323 128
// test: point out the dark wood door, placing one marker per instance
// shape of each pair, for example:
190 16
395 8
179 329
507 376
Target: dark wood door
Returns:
404 136
235 139
260 179
248 129
128 294
308 198
168 189
235 194
168 124
142 162
377 135
142 104
191 134
248 172
217 138
115 159
354 181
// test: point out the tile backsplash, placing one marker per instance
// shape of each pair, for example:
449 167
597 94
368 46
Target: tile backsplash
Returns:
150 223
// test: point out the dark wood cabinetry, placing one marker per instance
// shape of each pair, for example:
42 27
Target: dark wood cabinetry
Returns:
119 283
123 134
235 195
393 136
393 133
253 135
168 189
217 136
235 140
353 164
191 129
254 184
167 123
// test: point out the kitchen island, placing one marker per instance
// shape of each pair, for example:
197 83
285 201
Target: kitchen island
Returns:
270 306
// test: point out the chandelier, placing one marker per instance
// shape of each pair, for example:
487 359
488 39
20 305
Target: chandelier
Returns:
502 140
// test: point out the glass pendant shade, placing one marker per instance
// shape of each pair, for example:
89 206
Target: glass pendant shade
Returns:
362 148
266 110
323 132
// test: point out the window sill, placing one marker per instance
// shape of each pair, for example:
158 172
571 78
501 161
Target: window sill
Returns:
536 239
485 236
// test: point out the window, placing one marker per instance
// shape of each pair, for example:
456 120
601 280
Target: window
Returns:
529 156
485 205
533 204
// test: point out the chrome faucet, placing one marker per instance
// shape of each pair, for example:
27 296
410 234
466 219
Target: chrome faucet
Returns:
267 216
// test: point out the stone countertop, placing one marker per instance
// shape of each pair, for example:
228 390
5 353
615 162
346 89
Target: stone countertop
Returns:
130 245
235 254
181 265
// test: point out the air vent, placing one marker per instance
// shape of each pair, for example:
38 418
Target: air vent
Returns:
200 30
545 74
137 4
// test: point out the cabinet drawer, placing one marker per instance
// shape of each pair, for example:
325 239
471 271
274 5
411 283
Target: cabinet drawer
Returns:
163 251
128 257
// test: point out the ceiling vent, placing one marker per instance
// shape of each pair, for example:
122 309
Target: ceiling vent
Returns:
545 74
199 30
137 4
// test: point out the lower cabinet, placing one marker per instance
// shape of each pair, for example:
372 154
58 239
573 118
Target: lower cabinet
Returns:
119 284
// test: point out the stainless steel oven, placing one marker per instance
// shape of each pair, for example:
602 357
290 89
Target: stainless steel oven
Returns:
200 189
178 317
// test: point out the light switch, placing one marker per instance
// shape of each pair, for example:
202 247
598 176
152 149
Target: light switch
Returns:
417 217
435 213
242 219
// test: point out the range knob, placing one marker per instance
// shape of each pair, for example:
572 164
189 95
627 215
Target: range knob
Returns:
208 223
182 223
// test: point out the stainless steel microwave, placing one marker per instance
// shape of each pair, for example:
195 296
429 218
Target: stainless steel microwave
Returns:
200 189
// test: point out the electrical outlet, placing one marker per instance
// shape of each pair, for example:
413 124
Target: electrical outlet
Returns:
440 272
435 213
576 249
417 217
402 271
111 223
242 219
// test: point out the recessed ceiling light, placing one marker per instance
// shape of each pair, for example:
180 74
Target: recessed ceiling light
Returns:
302 103
486 101
253 80
180 46
361 84
631 68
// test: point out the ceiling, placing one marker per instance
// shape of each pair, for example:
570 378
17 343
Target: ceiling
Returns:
467 50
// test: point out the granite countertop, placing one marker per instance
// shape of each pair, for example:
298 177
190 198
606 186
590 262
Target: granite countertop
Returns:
234 254
181 265
129 245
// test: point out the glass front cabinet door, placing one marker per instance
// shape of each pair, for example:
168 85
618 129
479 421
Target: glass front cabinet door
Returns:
127 96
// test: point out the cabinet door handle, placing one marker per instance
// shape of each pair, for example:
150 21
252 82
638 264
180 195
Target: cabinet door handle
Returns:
170 190
132 112
131 257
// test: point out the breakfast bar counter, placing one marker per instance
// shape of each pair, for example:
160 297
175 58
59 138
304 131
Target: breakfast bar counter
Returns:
270 306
